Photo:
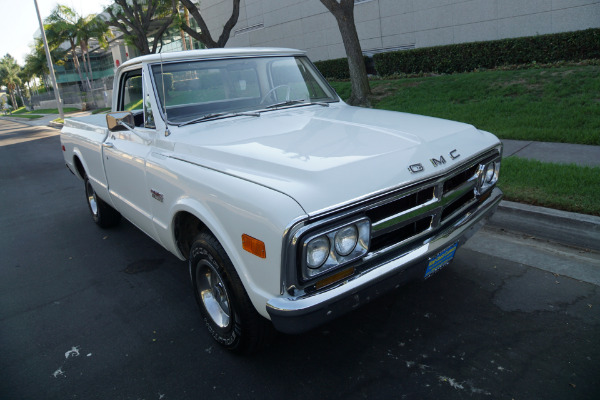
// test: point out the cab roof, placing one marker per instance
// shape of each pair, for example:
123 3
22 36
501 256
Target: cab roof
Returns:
213 53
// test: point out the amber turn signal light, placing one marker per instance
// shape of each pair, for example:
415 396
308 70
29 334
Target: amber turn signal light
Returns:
335 278
254 246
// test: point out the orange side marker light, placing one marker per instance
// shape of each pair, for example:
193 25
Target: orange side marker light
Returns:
254 246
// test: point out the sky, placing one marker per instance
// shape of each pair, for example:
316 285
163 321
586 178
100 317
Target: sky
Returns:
20 22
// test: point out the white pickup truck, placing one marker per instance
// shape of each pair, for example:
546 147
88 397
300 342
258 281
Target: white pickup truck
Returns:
289 205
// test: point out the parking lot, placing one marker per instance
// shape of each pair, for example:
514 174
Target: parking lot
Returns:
88 313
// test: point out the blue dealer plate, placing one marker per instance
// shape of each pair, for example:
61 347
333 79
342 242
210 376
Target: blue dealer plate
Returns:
442 259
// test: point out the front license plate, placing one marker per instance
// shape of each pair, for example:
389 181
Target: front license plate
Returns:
442 259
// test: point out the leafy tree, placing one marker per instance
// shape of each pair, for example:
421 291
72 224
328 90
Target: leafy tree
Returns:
91 27
343 11
140 19
204 35
63 25
36 64
9 77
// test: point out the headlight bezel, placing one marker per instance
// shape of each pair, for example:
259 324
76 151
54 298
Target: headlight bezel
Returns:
487 176
335 260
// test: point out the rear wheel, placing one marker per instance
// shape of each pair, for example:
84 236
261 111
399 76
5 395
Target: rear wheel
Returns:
226 309
103 215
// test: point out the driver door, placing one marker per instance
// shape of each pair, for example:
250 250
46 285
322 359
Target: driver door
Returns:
125 154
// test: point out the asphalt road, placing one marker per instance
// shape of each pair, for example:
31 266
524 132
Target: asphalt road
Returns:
92 314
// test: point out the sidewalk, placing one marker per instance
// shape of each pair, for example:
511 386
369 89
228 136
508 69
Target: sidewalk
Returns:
46 120
568 228
562 153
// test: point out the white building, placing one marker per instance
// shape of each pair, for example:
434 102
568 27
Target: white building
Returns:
385 25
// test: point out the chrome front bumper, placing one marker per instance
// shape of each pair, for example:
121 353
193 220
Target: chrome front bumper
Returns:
300 314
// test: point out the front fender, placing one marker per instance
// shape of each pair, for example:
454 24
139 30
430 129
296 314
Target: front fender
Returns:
229 207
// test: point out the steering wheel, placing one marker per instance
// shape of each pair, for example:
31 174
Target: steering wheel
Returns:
287 95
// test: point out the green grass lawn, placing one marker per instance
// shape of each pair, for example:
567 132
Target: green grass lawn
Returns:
26 116
23 111
542 104
101 110
559 104
565 187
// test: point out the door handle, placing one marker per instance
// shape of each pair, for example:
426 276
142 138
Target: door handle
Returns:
108 145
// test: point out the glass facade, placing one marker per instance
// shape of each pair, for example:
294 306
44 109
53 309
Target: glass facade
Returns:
101 64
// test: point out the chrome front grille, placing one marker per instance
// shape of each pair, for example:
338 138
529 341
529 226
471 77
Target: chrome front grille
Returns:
400 220
422 210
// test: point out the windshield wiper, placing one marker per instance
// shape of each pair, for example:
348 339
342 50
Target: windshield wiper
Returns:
297 102
212 117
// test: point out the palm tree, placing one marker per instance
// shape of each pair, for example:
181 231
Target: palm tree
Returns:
90 27
36 64
9 76
61 26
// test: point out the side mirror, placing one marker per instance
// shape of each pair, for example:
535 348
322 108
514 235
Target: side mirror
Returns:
120 121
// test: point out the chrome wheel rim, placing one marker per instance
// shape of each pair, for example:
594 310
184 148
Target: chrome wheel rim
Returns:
91 196
213 293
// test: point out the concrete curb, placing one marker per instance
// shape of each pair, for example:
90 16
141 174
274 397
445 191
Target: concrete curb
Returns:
56 125
564 227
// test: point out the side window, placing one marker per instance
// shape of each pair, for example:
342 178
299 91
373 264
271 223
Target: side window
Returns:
131 92
148 114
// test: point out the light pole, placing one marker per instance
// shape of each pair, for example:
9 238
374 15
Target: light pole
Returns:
50 66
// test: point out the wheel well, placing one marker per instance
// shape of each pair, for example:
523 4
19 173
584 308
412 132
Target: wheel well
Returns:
187 227
79 167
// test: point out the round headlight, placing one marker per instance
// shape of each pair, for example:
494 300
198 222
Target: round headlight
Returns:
489 172
317 251
346 239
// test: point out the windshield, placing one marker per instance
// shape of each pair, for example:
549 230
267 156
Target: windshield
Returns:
195 89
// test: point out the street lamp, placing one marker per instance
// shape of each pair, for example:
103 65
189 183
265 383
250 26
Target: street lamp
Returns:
50 66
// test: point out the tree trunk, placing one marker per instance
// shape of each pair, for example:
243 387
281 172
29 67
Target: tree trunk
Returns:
77 65
45 80
356 63
142 44
84 49
344 15
204 36
20 95
186 13
88 66
183 39
12 97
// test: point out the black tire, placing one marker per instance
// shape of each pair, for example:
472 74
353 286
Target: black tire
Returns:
103 215
228 314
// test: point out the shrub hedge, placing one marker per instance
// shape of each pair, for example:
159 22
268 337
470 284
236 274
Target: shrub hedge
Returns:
337 68
568 46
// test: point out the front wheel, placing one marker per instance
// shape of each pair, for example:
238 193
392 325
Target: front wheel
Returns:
226 309
103 215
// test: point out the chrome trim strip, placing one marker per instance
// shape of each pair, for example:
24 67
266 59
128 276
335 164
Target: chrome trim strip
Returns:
396 221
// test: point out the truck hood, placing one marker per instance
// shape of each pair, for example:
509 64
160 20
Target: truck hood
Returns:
324 157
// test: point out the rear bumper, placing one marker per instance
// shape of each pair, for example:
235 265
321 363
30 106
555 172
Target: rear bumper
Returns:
296 315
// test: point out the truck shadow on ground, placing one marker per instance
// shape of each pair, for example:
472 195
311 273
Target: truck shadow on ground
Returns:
451 336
